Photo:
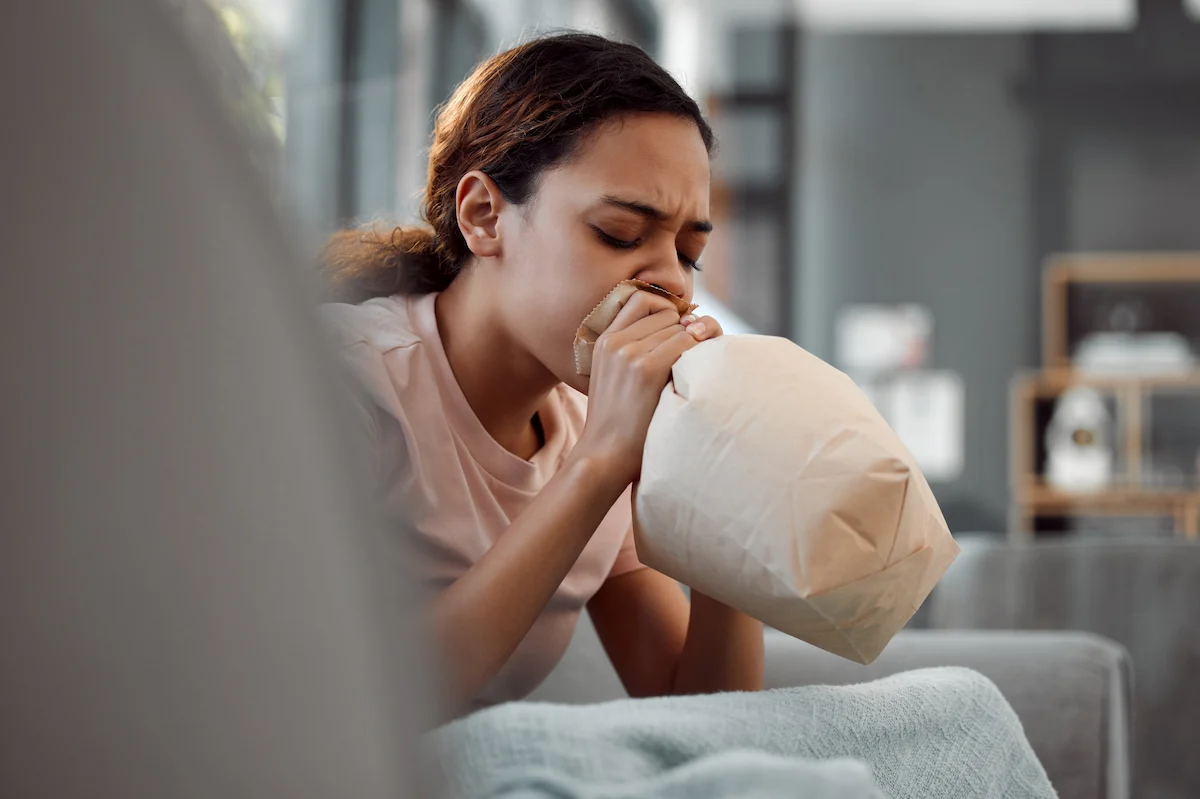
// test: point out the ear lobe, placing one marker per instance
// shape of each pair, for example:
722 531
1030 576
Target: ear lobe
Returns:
478 205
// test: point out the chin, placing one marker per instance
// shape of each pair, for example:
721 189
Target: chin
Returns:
565 373
578 382
561 366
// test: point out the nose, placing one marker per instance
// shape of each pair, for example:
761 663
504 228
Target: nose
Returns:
665 271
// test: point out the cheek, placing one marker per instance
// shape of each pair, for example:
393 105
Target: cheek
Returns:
554 278
562 276
551 316
544 254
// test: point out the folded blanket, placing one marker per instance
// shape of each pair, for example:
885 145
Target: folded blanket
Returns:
740 773
930 734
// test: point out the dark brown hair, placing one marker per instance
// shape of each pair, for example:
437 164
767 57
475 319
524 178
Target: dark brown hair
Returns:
520 113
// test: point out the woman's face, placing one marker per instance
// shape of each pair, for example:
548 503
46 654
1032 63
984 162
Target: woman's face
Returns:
633 203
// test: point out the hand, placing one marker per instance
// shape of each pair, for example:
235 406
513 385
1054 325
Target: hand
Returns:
631 365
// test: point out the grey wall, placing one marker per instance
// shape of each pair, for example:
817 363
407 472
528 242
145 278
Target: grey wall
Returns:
1133 193
914 187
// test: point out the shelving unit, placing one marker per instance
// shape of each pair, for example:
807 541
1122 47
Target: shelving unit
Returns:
1149 274
1154 491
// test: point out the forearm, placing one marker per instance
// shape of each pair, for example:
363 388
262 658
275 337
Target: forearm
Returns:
723 650
481 618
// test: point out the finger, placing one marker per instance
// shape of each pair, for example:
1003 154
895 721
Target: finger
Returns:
704 328
645 327
641 305
656 340
670 350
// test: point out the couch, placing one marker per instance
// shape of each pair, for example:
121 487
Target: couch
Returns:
1071 690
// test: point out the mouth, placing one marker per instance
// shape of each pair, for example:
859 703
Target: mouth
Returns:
654 288
596 322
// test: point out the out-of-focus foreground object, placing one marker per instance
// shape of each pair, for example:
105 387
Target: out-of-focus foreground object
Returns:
188 605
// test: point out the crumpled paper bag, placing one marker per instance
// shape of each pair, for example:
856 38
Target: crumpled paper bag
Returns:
603 315
770 483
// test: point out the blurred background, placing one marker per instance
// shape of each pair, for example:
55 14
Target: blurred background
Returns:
982 211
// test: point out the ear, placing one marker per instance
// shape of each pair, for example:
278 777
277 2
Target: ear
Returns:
478 203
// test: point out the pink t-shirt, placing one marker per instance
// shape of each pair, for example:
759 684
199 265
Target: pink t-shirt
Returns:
460 489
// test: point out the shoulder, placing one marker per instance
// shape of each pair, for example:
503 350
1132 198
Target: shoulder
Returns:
377 340
380 325
377 344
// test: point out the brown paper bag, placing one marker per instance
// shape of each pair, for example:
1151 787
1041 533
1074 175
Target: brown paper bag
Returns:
770 483
603 315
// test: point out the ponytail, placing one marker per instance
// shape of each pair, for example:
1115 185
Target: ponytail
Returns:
362 264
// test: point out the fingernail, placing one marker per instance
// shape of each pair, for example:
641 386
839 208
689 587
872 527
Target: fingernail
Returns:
688 319
697 329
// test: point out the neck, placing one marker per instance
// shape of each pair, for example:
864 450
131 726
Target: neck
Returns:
503 383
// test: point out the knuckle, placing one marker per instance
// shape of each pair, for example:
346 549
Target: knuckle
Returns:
642 370
628 353
638 300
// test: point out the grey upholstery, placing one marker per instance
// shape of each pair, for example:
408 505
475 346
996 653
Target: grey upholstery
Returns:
1071 690
188 601
1143 594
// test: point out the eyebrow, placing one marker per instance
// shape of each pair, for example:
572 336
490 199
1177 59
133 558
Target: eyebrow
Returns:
650 212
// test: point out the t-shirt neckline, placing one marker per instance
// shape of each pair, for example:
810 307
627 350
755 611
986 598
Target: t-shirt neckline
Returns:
511 469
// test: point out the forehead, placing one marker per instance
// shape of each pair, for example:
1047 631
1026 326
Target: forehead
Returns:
654 158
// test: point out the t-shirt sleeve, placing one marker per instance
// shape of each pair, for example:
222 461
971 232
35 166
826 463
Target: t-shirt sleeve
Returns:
627 559
362 412
370 399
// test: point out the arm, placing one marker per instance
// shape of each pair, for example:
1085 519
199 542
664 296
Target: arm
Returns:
660 644
480 619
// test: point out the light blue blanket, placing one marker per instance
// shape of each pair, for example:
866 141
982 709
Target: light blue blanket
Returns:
930 734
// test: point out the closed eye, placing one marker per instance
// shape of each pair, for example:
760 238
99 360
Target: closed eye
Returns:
622 244
613 241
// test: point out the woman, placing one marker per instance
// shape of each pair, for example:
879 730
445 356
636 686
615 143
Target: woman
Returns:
558 169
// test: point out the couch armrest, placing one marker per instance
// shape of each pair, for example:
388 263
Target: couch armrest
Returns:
1070 690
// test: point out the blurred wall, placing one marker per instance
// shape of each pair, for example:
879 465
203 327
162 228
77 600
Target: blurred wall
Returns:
914 186
1139 194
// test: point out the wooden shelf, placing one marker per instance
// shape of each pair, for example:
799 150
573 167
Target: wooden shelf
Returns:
1063 271
1124 267
1051 382
1044 496
1072 281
